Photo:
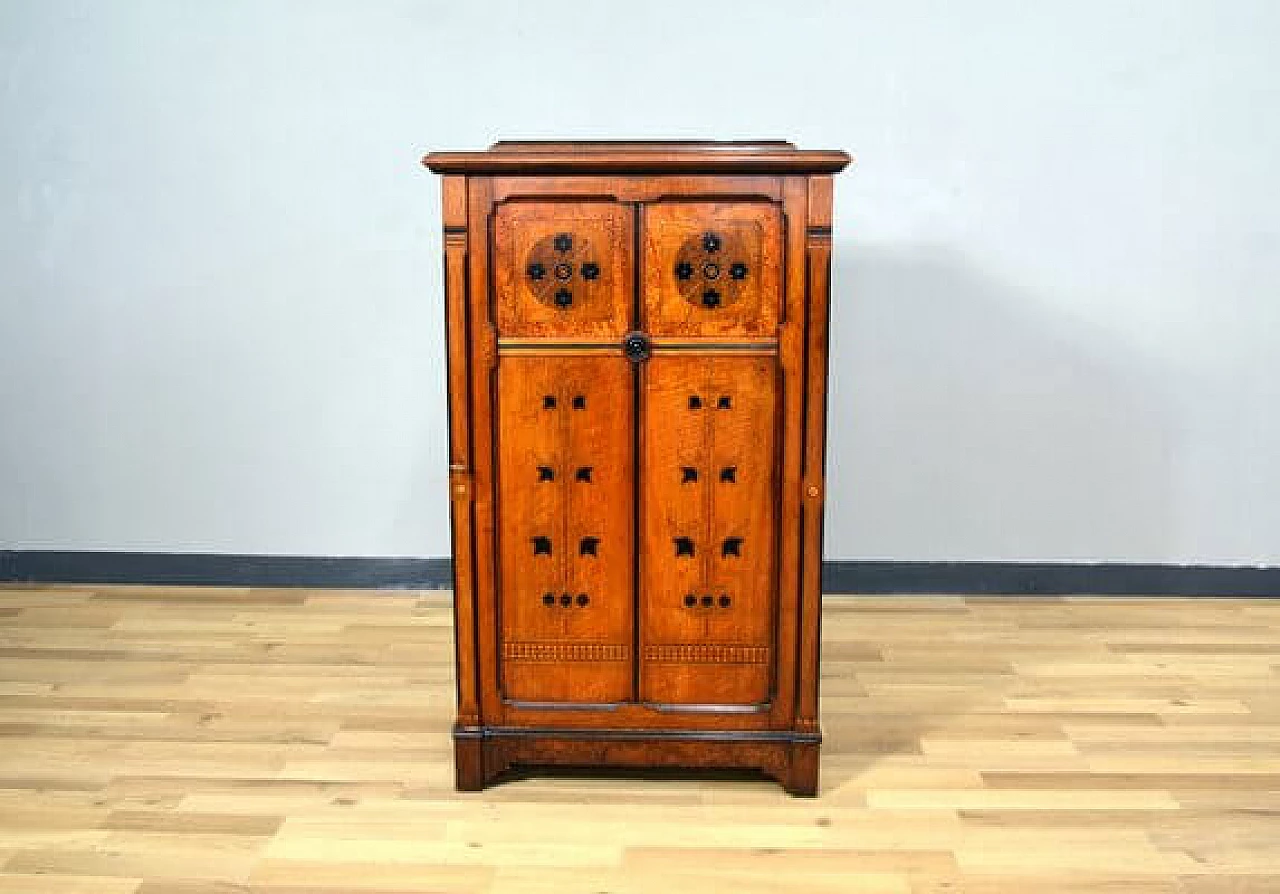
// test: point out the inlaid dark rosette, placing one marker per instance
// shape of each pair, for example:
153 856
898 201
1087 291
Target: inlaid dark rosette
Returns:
711 269
561 270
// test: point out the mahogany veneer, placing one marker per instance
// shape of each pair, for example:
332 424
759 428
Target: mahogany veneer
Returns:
637 377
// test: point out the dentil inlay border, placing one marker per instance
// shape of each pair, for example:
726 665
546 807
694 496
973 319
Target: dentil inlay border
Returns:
706 653
565 651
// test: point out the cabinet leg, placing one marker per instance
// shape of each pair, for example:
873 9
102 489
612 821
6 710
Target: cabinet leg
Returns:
802 771
468 763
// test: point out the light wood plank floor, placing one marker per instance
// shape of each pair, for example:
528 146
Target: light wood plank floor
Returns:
166 741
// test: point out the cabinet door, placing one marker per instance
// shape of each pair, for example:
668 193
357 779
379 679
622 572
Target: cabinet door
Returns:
712 269
563 269
566 504
708 471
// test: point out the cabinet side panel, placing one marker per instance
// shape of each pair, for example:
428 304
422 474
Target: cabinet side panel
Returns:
481 345
566 538
461 491
792 359
818 291
709 543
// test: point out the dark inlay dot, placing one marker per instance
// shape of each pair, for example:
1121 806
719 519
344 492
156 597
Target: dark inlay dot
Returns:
707 601
588 546
684 270
590 270
536 271
548 598
566 599
688 474
732 547
724 402
710 298
583 474
562 242
579 402
690 600
695 402
729 475
684 546
724 600
563 298
582 599
542 546
710 242
738 271
546 473
549 402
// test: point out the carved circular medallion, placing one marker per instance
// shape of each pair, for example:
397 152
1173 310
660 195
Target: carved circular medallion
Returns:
561 269
700 265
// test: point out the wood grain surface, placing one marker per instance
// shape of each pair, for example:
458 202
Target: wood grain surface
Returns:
639 156
708 478
193 741
744 270
565 479
670 590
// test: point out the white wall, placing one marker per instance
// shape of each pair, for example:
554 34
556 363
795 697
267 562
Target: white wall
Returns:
1057 333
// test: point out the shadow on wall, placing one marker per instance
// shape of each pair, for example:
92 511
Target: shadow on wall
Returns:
972 421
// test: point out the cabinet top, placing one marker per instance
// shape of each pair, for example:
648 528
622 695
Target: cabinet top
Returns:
640 157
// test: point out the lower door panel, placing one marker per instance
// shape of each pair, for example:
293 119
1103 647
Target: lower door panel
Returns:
566 535
708 472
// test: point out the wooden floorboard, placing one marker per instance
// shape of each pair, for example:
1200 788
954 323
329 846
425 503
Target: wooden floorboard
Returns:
205 741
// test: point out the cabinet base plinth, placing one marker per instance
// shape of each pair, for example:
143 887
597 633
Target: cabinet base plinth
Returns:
483 755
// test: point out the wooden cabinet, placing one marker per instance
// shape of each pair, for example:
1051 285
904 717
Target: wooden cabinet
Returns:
637 337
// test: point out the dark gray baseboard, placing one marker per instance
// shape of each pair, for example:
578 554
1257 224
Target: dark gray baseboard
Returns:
1049 579
224 570
854 577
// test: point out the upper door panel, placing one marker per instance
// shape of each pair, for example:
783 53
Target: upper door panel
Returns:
563 269
712 269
